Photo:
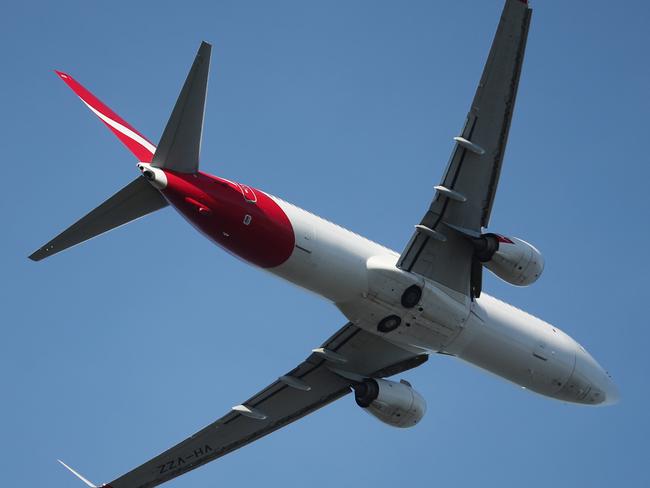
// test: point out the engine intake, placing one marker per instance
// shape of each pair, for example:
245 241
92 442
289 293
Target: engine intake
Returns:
395 404
513 260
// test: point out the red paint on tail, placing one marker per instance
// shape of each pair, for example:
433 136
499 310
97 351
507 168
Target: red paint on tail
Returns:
258 231
135 142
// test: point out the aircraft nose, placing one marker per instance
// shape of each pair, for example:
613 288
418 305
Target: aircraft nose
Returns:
612 395
595 386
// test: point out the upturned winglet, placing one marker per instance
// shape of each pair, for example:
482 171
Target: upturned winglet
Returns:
91 485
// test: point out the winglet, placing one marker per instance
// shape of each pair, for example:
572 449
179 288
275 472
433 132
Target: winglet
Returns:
77 475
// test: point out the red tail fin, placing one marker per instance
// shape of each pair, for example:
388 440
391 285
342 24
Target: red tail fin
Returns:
135 142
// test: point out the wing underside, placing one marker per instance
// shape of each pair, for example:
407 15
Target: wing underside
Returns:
439 249
351 352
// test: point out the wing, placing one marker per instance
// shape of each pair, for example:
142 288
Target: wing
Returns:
439 249
352 352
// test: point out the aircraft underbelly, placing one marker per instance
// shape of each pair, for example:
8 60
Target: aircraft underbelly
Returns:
362 280
327 259
516 346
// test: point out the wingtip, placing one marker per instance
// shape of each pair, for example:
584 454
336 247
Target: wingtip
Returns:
205 50
39 254
88 483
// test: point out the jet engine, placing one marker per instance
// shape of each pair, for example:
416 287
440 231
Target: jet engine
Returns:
511 259
395 404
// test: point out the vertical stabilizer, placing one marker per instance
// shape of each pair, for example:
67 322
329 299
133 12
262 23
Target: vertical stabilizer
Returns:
180 143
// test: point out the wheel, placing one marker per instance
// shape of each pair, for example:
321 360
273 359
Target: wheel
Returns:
388 324
411 296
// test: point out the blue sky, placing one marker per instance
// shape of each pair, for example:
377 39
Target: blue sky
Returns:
121 347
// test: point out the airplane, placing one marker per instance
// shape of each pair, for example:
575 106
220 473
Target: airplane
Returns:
400 307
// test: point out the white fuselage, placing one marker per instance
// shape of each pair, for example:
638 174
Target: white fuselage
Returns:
360 277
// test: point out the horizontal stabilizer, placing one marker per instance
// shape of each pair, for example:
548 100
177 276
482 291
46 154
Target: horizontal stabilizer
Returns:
180 144
135 200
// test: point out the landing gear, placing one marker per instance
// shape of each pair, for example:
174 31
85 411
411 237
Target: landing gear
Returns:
389 324
411 296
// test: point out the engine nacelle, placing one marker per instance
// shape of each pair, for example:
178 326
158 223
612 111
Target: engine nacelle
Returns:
514 260
395 404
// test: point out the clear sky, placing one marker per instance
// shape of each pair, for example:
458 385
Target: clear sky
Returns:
121 347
